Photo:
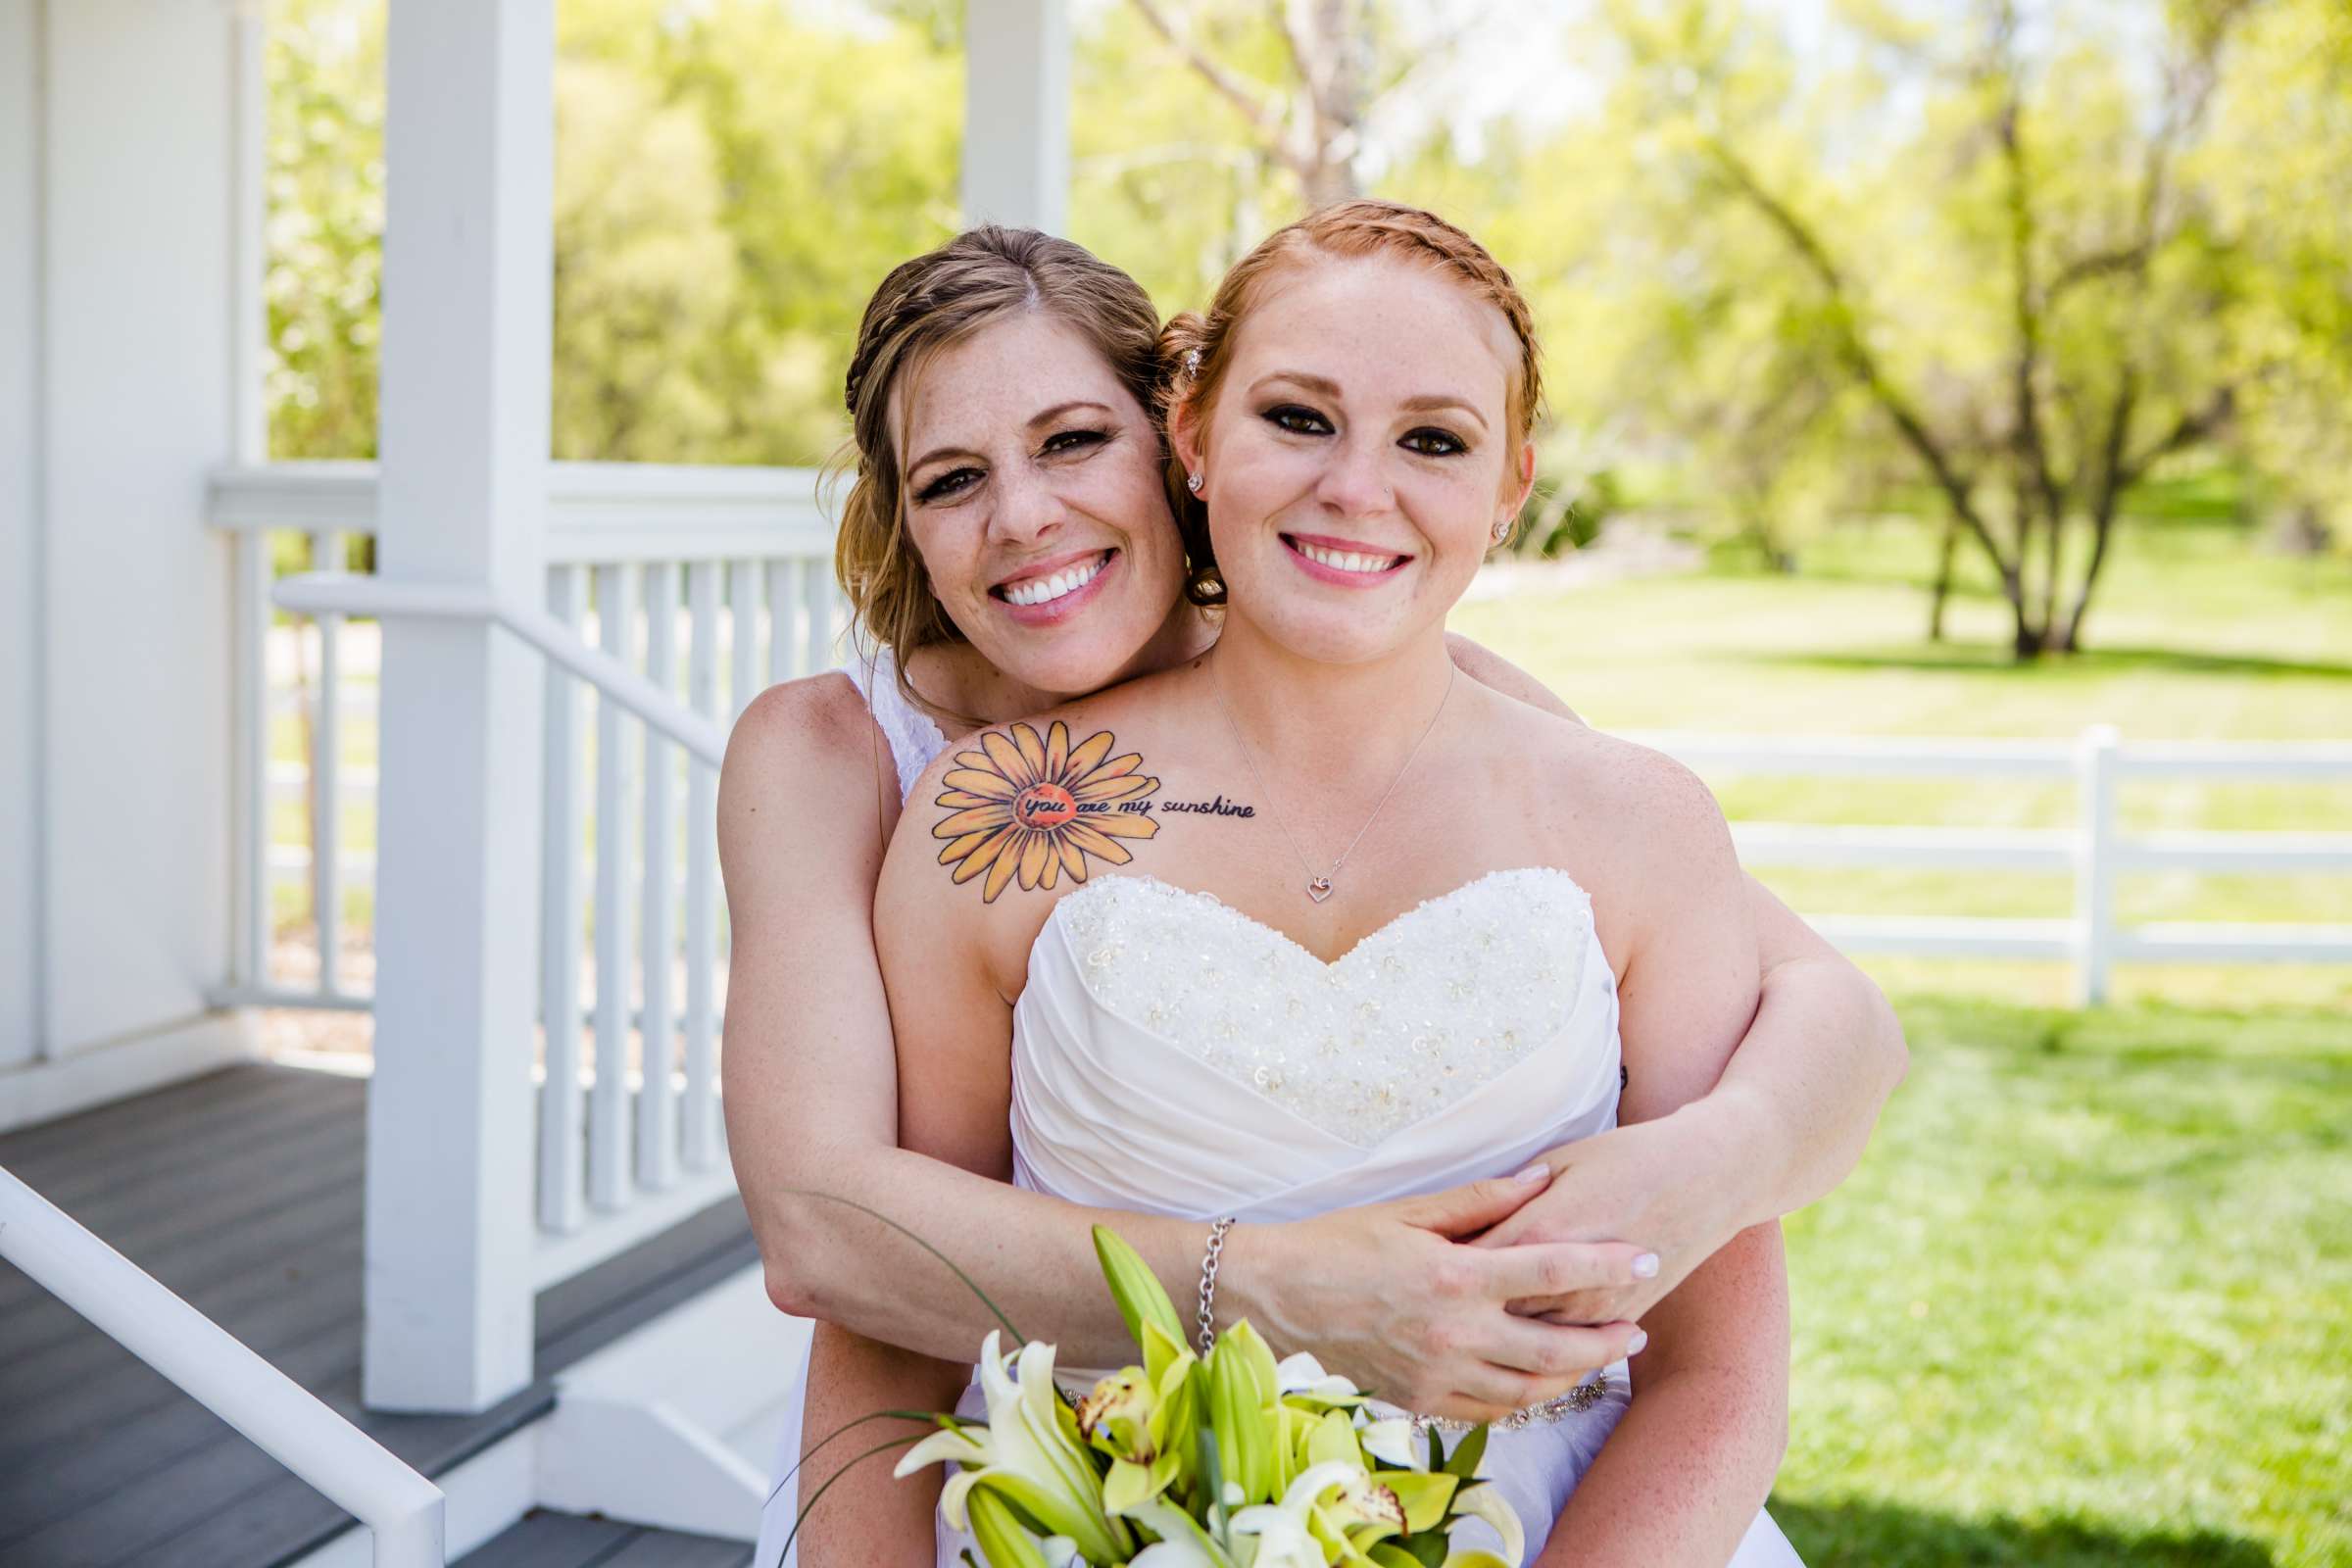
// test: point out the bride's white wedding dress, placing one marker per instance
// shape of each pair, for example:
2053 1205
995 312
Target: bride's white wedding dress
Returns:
1174 1055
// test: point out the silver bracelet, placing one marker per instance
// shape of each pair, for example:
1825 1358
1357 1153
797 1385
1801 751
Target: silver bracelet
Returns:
1208 1282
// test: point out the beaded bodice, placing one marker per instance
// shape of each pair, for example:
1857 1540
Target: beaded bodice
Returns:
1171 1053
1432 1005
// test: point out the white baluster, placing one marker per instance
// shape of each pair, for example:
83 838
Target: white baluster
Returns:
608 1104
781 598
326 777
816 616
656 1103
253 757
2094 865
743 632
701 1130
562 1151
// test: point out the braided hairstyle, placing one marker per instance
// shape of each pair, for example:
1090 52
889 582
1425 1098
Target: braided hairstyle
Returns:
1196 349
928 304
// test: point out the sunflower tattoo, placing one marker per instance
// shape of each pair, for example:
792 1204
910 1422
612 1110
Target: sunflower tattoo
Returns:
1030 807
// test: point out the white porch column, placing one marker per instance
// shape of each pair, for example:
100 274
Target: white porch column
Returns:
1017 112
467 254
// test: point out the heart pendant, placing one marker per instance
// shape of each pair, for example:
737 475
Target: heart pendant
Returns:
1319 889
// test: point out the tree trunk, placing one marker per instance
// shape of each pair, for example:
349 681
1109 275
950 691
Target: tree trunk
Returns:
2070 640
1335 106
1943 578
2028 641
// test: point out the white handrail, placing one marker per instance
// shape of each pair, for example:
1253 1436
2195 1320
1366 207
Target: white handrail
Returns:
285 1420
318 593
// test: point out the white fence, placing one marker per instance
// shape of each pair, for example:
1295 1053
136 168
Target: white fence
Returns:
687 590
2094 852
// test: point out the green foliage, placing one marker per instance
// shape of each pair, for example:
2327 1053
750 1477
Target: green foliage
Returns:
731 182
734 176
325 66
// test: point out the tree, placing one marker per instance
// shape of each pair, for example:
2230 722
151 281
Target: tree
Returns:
2054 322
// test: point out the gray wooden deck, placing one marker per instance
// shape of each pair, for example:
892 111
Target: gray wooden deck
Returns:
567 1541
241 1191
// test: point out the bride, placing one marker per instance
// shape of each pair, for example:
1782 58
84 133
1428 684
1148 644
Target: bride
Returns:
1307 921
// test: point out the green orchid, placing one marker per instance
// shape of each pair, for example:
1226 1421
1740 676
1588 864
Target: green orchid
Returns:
1029 1452
1144 1418
1327 1515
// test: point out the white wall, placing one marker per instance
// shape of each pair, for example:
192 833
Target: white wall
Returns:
20 558
138 239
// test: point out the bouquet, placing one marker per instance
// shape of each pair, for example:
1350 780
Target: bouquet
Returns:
1229 1460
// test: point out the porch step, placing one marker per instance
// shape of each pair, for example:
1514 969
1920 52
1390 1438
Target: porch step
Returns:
242 1192
545 1539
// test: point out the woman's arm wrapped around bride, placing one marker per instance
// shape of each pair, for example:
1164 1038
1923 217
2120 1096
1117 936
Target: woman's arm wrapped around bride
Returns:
1783 1126
1681 1479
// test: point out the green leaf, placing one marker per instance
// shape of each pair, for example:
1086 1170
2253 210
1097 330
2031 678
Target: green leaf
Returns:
1466 1454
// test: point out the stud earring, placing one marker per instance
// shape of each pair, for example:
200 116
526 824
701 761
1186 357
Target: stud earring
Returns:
1503 530
1191 482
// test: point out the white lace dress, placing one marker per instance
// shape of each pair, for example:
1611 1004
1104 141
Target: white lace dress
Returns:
1173 1055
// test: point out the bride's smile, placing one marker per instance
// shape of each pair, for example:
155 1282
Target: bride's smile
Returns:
1349 501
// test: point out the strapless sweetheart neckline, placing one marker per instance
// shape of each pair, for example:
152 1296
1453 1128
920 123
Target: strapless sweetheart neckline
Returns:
1386 929
1426 1013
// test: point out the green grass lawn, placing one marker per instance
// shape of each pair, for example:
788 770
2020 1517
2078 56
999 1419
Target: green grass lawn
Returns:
2085 1303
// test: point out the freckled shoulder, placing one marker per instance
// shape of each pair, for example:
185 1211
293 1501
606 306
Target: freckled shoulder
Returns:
804 756
1037 804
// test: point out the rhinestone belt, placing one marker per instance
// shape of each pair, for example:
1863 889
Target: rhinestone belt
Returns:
1575 1402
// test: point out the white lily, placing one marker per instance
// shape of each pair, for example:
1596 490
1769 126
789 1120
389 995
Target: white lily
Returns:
1181 1543
1392 1441
1029 1451
1286 1538
1483 1501
1304 1375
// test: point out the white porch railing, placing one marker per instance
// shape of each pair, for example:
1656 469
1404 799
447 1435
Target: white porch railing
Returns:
401 1509
2095 851
674 597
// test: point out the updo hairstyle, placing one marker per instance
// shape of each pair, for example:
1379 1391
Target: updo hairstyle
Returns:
1196 349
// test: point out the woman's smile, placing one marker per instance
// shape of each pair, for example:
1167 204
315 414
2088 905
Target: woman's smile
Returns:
1347 562
1056 589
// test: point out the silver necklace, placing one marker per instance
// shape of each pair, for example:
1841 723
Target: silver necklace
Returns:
1319 886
